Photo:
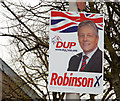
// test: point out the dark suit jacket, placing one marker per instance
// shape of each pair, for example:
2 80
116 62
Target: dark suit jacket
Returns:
94 64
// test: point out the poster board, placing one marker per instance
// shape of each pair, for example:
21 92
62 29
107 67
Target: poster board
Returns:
63 45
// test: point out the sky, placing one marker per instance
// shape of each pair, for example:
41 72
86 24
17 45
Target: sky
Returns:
3 40
4 51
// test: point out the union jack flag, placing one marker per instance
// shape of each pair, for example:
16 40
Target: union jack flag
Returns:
66 22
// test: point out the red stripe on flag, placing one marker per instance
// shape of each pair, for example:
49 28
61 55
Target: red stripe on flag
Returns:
74 18
80 18
100 25
96 20
92 15
61 14
69 13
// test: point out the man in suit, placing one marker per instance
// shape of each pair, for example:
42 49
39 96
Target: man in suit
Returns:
90 60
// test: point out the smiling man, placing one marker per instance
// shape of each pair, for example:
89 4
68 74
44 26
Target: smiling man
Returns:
90 60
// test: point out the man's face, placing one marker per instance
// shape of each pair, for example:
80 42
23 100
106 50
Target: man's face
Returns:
87 39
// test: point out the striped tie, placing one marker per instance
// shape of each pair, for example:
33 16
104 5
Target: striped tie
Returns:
83 62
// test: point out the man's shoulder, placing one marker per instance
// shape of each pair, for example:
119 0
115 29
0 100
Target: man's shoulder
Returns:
77 55
99 51
74 62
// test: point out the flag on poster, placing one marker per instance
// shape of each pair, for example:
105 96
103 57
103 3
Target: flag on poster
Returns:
69 71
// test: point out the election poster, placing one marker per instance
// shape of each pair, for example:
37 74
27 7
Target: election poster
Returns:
76 52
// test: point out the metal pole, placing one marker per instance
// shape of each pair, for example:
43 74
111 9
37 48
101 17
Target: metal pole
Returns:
73 6
74 96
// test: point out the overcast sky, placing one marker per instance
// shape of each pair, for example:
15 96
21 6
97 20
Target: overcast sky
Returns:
4 40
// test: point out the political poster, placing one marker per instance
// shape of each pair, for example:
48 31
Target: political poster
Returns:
76 52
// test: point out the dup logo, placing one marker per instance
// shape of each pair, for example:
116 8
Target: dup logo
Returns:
61 45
